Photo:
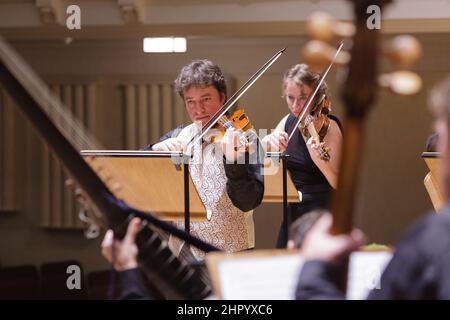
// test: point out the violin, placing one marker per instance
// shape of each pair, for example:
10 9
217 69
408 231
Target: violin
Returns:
238 120
313 120
316 125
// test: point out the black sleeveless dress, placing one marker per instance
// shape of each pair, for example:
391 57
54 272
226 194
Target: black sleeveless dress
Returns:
306 176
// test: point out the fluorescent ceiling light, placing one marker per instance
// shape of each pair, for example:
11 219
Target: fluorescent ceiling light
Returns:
167 44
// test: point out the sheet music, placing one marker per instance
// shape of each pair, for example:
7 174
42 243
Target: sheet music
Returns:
364 272
260 278
275 277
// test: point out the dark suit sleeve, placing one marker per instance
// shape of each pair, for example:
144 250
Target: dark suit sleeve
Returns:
404 278
245 182
412 273
318 281
133 285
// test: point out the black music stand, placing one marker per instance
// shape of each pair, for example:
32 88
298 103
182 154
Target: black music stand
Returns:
277 187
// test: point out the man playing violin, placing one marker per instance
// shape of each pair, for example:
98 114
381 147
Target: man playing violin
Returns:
229 185
313 176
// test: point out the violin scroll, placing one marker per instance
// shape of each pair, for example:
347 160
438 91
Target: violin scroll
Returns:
238 120
316 125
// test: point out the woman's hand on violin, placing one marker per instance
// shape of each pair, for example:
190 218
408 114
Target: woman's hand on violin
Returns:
234 144
171 144
277 141
314 149
331 146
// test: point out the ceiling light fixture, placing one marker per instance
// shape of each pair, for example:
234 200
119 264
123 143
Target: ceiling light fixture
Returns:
165 44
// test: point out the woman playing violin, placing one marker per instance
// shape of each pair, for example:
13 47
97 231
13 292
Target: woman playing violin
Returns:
313 175
229 187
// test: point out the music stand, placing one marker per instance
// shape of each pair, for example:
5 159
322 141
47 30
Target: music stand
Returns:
277 187
150 181
431 180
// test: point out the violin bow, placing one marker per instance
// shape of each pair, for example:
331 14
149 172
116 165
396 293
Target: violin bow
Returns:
235 97
313 94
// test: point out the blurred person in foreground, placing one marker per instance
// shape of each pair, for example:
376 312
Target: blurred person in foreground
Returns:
420 265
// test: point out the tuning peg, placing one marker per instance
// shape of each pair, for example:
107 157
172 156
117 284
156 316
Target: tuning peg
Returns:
401 82
318 54
90 159
73 186
116 187
404 50
79 194
70 183
323 26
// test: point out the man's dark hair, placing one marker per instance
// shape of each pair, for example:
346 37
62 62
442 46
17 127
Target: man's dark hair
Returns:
432 143
200 73
302 225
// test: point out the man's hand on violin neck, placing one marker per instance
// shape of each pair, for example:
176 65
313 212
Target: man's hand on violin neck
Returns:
234 144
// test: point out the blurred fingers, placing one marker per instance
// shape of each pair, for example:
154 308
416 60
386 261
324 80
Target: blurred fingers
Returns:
132 230
107 244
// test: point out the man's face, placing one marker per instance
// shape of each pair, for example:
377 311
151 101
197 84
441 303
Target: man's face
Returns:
202 103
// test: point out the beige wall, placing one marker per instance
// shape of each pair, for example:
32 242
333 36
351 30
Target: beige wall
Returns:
391 193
